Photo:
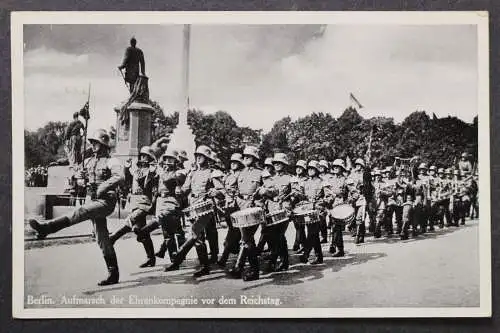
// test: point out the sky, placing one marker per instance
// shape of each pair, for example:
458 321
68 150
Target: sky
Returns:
257 73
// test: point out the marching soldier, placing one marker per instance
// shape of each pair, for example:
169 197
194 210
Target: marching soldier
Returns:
382 194
335 192
168 211
361 194
249 181
390 187
144 183
407 192
104 174
298 187
313 192
325 176
267 176
277 193
233 237
199 187
422 193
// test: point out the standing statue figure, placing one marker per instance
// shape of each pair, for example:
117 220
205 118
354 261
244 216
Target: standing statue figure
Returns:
133 59
73 141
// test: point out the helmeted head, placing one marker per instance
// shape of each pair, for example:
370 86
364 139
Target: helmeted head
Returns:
376 174
183 156
432 170
422 169
99 140
448 173
440 172
146 155
170 157
338 166
359 164
323 166
300 167
250 155
133 41
236 161
268 165
386 172
203 154
312 168
464 155
280 161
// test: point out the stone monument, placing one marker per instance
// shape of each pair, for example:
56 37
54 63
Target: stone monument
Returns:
133 122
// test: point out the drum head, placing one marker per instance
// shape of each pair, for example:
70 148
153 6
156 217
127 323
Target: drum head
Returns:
342 212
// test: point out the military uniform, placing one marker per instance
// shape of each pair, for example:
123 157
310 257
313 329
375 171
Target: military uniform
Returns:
360 194
277 194
335 192
249 180
382 192
104 175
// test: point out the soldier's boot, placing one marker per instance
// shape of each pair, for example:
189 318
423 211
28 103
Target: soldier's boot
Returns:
162 250
304 257
283 266
119 233
333 248
172 248
51 227
201 250
360 234
237 269
319 254
223 258
181 255
147 229
377 233
113 273
150 252
253 273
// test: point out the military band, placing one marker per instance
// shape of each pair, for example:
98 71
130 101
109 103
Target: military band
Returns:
318 197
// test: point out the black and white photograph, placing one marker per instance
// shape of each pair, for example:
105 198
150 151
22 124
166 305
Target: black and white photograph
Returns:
251 165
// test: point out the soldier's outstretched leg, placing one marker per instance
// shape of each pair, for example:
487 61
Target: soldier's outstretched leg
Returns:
201 251
50 227
119 233
181 255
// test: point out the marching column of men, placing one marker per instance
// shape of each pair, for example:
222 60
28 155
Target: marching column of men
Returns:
319 197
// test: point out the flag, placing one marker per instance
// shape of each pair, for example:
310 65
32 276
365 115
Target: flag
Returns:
355 104
84 111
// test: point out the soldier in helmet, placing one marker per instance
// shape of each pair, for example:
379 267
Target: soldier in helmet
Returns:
199 187
297 188
407 191
464 165
233 237
360 194
211 228
326 177
381 199
422 194
249 181
335 193
313 191
267 176
277 194
144 183
103 174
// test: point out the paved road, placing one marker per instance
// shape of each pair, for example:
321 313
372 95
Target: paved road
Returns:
440 269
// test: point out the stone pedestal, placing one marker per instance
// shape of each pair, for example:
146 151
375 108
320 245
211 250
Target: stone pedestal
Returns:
134 134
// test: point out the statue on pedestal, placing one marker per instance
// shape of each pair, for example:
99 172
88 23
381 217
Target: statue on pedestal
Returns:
133 59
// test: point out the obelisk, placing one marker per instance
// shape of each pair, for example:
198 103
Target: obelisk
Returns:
182 137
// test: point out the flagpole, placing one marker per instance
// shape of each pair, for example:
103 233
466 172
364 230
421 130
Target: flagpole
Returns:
85 129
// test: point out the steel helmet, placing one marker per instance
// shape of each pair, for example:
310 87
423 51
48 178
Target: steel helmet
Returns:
100 136
433 167
269 161
171 153
183 156
422 166
338 162
301 163
323 163
387 169
237 157
464 154
251 151
441 170
313 164
146 150
360 162
213 156
205 151
280 158
448 171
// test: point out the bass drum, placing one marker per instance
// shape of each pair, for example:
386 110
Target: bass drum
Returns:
343 213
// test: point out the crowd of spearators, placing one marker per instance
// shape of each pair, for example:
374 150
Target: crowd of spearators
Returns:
319 196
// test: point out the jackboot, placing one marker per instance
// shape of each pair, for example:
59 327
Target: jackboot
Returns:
51 227
253 273
237 269
147 229
181 255
119 233
201 250
172 248
113 273
150 252
377 233
162 250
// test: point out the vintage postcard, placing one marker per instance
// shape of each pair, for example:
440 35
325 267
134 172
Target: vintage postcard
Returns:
250 164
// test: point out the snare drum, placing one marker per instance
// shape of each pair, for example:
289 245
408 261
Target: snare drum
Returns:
199 210
306 214
276 217
343 213
247 217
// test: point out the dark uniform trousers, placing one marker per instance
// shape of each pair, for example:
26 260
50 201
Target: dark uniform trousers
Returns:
169 218
408 220
233 236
